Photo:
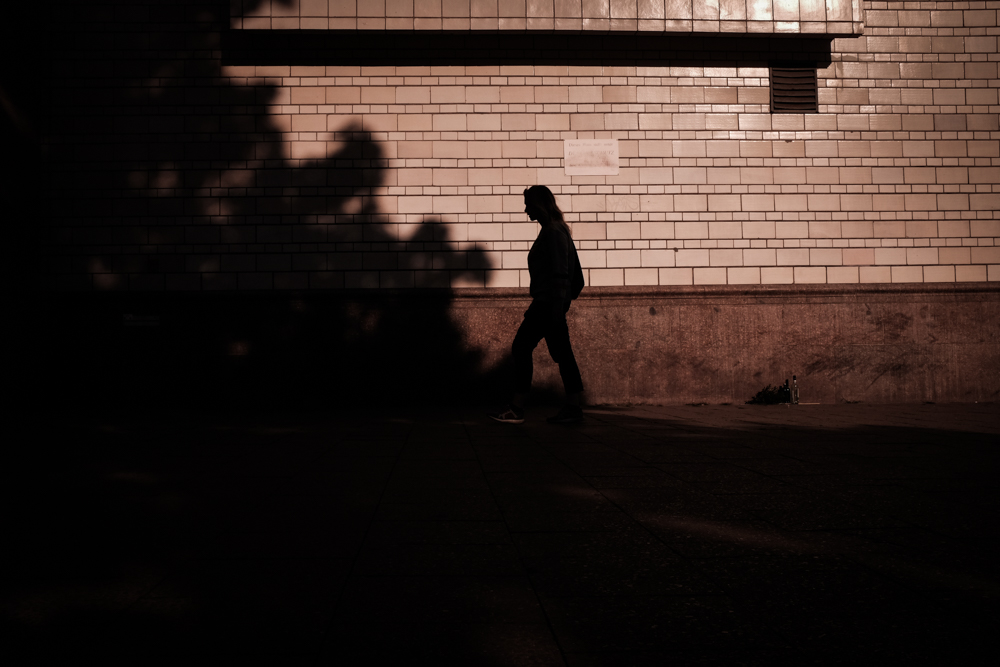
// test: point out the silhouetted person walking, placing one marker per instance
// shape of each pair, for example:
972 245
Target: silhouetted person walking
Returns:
556 279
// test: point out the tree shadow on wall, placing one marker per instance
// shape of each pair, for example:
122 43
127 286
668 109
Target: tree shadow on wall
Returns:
204 262
374 337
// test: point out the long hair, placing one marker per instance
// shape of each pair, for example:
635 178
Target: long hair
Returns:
542 197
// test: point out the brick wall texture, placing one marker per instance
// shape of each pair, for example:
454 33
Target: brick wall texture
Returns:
192 173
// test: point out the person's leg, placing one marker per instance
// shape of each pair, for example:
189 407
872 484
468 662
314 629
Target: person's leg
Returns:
531 331
557 339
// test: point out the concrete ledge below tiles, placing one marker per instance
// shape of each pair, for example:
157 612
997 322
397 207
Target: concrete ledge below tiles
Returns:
745 291
722 344
701 344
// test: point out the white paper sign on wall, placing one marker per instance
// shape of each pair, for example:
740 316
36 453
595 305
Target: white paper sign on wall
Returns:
591 157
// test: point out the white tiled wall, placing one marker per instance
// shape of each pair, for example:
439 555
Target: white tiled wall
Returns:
896 179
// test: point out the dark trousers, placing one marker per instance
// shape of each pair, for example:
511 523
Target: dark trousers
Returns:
545 319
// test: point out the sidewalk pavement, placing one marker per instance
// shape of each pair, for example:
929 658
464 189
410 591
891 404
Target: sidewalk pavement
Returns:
779 535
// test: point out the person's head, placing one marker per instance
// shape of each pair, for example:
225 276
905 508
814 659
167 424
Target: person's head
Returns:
540 204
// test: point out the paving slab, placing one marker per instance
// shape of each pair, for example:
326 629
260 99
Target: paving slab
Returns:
727 534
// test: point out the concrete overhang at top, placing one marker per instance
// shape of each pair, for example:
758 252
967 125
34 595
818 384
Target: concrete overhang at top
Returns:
790 17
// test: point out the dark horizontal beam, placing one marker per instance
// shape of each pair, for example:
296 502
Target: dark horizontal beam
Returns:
388 47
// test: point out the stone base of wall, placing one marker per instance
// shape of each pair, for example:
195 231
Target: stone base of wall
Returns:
876 344
885 344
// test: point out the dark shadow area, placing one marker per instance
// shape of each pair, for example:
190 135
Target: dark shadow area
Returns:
227 351
22 104
508 47
186 259
374 537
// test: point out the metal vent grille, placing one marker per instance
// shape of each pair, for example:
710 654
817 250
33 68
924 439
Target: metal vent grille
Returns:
793 90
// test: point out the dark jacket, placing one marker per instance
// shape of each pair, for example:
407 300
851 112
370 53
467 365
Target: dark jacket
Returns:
553 264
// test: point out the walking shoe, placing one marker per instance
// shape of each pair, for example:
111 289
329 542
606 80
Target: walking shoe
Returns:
509 415
568 414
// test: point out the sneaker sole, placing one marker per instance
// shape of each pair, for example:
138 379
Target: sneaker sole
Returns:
507 421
